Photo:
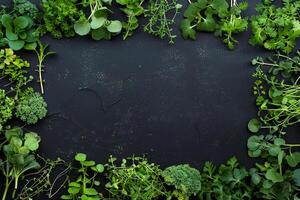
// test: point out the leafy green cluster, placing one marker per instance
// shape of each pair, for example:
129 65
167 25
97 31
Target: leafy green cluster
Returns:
276 28
13 67
31 107
277 93
18 32
185 179
60 16
25 8
132 9
84 187
229 181
214 16
158 22
278 177
97 24
135 178
7 106
19 151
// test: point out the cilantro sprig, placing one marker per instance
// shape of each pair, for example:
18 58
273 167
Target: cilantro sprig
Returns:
276 28
215 16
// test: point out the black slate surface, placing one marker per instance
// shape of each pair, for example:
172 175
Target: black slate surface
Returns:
183 103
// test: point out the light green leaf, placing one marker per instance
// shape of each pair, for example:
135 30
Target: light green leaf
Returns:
97 22
82 27
114 26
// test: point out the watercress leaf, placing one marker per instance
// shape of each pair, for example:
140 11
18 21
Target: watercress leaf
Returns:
16 45
90 191
97 22
82 27
254 125
73 190
296 177
274 150
100 168
255 178
115 26
279 141
274 176
293 159
80 157
74 184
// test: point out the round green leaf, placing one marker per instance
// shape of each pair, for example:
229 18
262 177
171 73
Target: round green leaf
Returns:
82 27
255 178
274 176
16 45
296 177
97 22
21 22
80 157
102 12
115 26
10 35
100 34
100 168
73 190
6 20
254 125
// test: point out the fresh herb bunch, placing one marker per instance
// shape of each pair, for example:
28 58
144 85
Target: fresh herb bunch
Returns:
135 178
60 16
215 16
277 93
98 24
158 23
14 69
132 9
19 157
48 179
276 28
7 105
185 179
25 8
31 106
18 32
85 187
229 181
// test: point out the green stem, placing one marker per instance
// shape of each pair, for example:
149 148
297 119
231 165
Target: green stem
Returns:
7 184
16 186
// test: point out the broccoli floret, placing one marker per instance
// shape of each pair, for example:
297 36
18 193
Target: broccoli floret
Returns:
31 107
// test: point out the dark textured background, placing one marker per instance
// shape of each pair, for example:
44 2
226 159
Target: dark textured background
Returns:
183 103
